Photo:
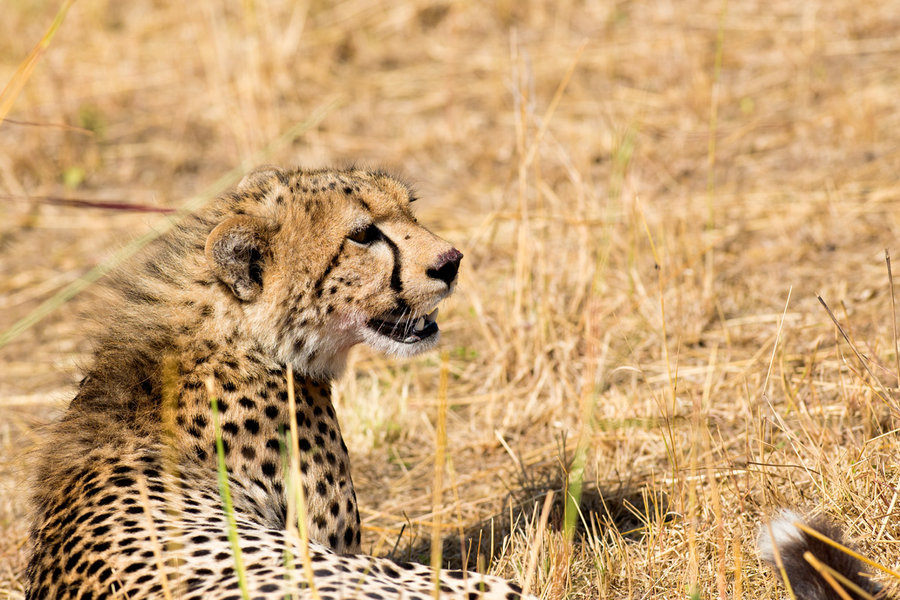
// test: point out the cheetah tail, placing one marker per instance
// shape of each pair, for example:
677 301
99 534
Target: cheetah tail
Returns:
793 543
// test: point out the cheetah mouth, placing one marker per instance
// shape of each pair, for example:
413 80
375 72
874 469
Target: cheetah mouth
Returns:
405 330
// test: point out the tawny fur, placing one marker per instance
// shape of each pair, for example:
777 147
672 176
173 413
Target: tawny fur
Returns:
291 268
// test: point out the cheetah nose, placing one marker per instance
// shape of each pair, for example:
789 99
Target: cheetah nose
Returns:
446 267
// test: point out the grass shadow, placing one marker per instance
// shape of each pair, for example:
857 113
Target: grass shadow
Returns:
629 510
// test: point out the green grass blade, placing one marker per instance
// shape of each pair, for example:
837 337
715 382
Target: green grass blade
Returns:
225 492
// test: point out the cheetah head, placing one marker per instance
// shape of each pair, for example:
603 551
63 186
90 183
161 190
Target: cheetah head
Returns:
318 261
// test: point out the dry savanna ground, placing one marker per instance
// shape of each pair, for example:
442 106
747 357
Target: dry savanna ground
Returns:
649 195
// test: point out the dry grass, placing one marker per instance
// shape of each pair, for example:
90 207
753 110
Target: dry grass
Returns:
644 246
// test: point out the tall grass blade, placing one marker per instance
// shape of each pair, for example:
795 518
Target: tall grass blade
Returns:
26 67
225 493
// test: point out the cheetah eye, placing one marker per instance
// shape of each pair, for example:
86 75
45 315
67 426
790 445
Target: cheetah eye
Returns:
365 235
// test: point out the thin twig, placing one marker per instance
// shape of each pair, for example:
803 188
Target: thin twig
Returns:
886 394
887 260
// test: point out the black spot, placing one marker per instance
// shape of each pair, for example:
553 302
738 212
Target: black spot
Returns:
252 426
248 453
193 385
390 572
348 536
268 468
98 518
304 444
272 411
70 544
321 489
247 403
273 444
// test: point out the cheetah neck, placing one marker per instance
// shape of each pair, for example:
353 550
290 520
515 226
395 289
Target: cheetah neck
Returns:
254 419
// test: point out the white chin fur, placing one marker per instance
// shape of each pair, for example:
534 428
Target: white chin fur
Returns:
394 348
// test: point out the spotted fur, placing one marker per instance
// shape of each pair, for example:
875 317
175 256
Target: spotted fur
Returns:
291 268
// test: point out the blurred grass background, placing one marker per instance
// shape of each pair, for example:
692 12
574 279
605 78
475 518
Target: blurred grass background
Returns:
649 195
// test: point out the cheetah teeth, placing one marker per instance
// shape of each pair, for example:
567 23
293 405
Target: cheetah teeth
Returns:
422 321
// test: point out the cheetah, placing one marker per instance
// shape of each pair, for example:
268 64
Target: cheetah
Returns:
216 355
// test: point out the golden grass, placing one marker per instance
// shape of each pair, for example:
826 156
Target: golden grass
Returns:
638 188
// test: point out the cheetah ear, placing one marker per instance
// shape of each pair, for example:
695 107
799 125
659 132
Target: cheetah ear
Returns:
235 251
258 174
